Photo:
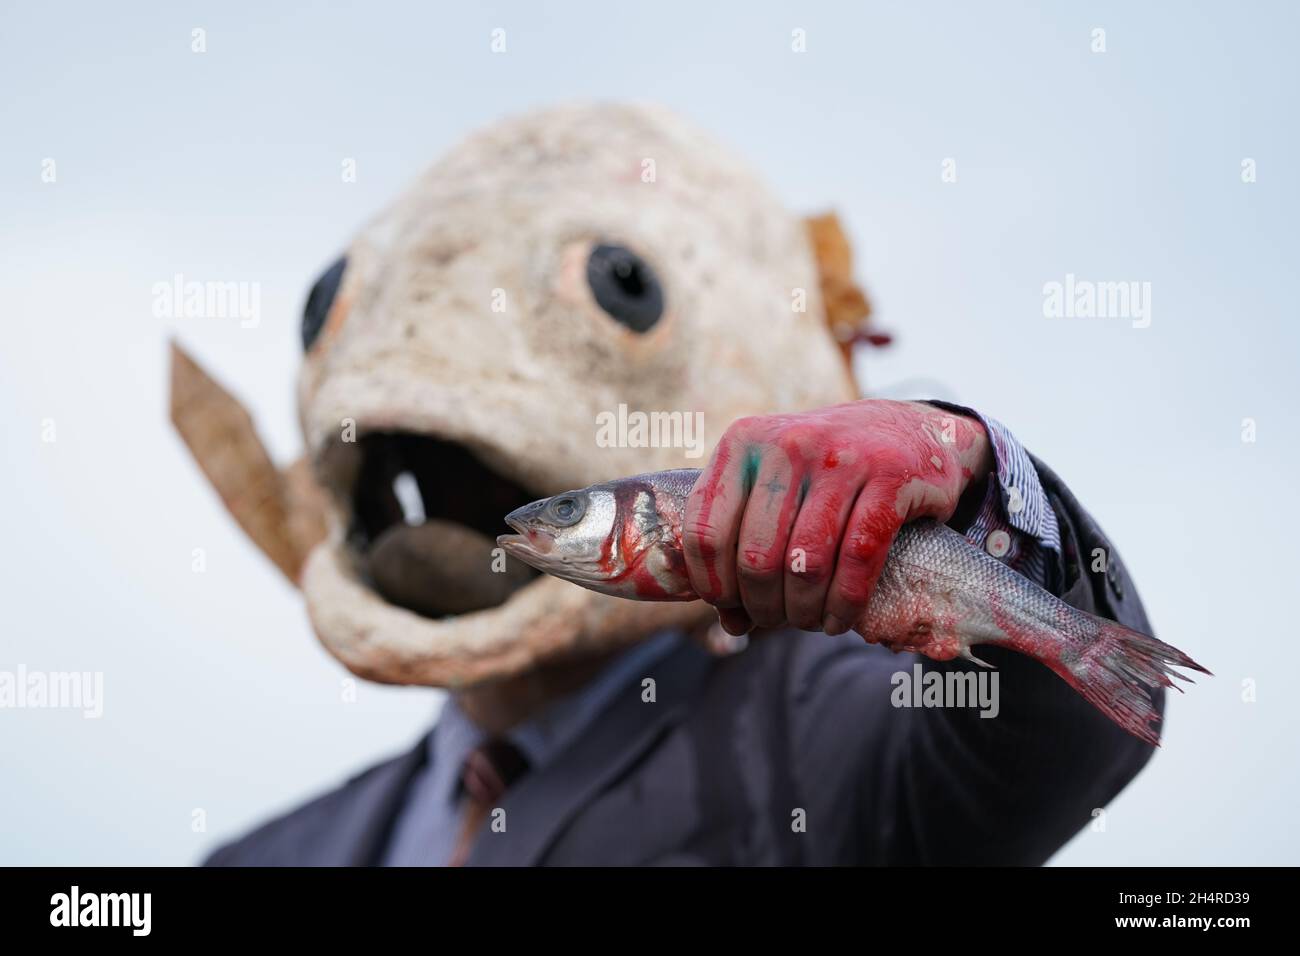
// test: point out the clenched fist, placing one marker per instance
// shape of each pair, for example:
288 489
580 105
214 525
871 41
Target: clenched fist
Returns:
792 519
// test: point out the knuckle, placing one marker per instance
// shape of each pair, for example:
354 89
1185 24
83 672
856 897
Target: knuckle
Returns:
811 565
867 541
860 551
743 428
793 436
798 438
758 565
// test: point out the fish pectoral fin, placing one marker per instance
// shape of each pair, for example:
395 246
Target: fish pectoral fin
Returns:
968 655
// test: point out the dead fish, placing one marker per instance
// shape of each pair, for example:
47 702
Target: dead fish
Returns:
938 594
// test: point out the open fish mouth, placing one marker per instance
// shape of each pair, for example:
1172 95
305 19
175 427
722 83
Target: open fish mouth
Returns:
527 543
421 515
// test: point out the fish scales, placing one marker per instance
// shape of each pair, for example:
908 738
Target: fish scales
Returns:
938 595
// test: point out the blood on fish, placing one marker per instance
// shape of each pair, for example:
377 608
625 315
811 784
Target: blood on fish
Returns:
937 593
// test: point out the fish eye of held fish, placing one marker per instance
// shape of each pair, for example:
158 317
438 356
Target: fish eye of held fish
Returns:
566 510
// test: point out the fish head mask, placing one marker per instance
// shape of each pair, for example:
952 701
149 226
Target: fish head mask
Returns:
566 297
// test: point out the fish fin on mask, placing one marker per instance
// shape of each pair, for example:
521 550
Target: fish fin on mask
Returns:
283 513
307 507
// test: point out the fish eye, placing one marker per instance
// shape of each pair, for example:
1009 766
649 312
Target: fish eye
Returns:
625 286
566 510
319 302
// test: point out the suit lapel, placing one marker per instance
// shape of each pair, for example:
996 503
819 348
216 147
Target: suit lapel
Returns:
361 835
539 807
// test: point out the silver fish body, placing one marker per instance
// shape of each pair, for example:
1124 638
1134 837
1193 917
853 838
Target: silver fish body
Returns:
938 594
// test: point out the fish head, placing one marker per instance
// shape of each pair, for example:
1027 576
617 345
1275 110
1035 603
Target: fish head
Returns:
621 538
570 536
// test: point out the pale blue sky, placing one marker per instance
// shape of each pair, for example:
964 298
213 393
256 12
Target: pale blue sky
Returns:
1123 165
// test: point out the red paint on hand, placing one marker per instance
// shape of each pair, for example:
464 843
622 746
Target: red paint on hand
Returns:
793 517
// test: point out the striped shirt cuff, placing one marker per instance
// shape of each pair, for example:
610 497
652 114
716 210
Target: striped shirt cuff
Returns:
1016 523
1023 500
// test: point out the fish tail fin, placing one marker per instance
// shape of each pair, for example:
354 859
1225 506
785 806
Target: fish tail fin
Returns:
1114 670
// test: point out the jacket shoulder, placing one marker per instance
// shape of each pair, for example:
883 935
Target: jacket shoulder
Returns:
343 827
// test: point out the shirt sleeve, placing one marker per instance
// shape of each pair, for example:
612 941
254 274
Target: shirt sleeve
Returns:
1015 523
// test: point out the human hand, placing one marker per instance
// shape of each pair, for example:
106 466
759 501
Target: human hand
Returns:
792 519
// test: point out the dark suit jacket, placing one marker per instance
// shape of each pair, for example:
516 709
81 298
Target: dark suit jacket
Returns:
716 770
